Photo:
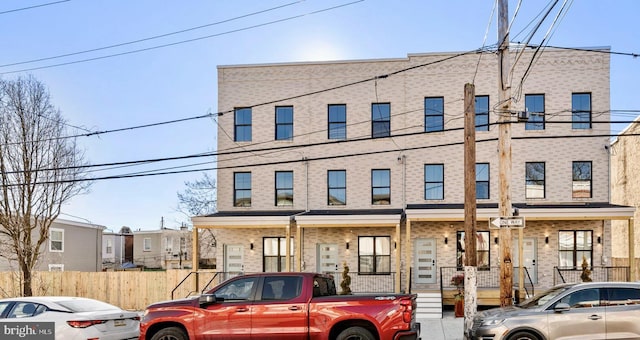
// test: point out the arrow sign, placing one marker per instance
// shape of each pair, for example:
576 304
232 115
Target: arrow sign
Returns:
507 221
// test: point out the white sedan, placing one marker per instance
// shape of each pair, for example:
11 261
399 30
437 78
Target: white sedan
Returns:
73 317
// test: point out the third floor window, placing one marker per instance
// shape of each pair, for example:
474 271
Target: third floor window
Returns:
242 125
380 120
434 114
581 110
284 122
534 104
337 121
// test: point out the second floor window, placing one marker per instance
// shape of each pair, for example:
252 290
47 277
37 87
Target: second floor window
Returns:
433 114
434 181
242 189
381 187
374 255
109 249
56 240
581 110
284 122
534 180
482 113
337 187
284 188
337 121
581 187
146 244
482 181
534 104
242 125
380 120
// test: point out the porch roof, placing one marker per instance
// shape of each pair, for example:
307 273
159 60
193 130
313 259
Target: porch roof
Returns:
530 211
350 218
246 219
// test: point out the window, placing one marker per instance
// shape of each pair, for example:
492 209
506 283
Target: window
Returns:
434 114
534 104
337 121
482 113
242 189
482 181
618 296
146 244
56 267
434 181
281 287
284 188
374 255
381 187
534 183
380 120
109 246
482 249
240 289
585 298
56 240
337 187
284 122
581 180
242 125
581 110
574 245
275 254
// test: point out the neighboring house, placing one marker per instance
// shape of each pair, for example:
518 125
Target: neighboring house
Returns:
162 249
117 249
323 164
625 189
71 246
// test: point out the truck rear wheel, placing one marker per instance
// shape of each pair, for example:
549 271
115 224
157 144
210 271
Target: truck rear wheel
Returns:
170 333
355 333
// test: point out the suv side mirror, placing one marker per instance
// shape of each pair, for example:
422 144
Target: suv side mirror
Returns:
208 299
561 307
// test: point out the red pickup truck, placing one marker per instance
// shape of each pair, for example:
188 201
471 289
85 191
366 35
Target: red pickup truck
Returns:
282 306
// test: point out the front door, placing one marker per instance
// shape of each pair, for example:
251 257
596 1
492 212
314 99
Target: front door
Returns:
425 260
327 258
234 258
529 260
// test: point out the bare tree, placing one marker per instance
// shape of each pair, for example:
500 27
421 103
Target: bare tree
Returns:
40 168
199 198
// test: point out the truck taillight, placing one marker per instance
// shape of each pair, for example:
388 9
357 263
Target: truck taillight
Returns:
407 310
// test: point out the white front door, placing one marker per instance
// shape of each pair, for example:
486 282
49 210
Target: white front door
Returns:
233 258
529 261
327 258
425 260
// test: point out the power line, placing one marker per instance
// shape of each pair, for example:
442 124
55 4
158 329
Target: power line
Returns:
186 40
152 37
34 6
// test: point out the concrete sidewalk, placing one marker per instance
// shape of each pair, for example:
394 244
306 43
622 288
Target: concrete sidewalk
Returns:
447 328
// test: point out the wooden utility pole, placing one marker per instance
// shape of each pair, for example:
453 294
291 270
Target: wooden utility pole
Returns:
470 221
504 150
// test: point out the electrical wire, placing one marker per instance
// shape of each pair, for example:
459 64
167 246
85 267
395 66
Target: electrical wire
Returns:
34 6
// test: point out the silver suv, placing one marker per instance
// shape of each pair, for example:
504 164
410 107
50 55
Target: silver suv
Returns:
593 310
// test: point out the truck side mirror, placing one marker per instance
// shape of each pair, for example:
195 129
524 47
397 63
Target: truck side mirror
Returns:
208 299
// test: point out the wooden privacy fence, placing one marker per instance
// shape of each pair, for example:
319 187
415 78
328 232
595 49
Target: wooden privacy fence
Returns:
132 290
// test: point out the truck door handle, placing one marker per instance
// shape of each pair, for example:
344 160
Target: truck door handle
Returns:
294 308
242 309
595 317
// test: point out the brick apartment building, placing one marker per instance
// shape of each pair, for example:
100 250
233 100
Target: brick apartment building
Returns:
361 163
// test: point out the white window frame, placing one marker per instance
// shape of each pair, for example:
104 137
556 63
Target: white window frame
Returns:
56 267
146 244
51 240
109 246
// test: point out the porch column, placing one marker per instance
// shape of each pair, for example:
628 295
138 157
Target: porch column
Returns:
287 242
398 259
298 248
195 255
407 264
632 250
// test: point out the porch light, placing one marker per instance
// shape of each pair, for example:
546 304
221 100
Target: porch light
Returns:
446 240
495 240
546 240
251 246
599 239
347 245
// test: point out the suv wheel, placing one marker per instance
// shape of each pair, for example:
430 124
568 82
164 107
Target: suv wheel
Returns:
523 335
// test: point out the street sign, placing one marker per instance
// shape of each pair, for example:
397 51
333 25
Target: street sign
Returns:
507 222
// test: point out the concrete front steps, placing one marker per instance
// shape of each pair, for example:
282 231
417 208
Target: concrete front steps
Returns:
429 305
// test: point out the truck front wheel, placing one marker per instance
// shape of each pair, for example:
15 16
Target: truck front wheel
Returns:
170 333
355 333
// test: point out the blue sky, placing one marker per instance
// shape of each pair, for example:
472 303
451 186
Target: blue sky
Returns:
180 81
